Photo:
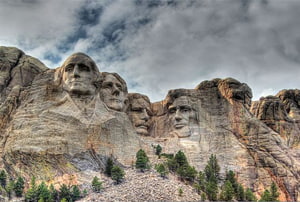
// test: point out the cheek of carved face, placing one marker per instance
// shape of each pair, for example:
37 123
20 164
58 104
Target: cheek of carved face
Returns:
112 93
78 78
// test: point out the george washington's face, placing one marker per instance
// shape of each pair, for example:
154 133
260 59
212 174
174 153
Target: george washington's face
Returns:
78 76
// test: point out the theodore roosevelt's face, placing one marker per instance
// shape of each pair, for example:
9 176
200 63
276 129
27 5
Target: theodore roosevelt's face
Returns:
139 115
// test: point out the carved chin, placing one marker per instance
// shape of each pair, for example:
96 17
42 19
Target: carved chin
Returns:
182 132
142 131
115 105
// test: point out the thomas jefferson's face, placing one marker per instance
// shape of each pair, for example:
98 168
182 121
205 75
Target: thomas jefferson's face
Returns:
112 93
181 113
78 77
139 115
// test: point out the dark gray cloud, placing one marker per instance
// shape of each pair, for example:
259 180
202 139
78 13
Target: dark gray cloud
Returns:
162 45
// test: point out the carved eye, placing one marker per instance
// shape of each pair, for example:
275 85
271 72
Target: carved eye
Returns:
185 109
108 85
83 68
69 68
172 110
119 86
137 109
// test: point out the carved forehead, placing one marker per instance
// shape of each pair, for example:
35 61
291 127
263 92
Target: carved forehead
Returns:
114 77
137 100
82 58
136 96
181 101
111 78
140 102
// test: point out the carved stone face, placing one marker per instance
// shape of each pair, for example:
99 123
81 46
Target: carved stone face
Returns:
112 93
139 115
78 76
181 114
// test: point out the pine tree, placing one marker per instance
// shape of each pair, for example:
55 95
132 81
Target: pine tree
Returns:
187 172
240 195
180 192
32 194
43 192
211 171
10 188
181 159
158 150
211 190
161 169
230 175
53 193
65 192
266 196
238 188
3 177
84 193
19 187
141 160
75 194
249 196
172 165
117 174
203 196
227 191
274 192
201 181
108 167
96 184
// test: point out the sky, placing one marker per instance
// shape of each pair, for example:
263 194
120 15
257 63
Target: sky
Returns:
158 45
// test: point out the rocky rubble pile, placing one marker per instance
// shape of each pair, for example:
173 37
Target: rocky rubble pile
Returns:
147 186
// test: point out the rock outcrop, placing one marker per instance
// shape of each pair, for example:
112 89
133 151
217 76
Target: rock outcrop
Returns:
69 120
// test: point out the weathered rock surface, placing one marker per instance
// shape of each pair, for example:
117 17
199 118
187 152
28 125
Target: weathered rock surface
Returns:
148 186
226 128
49 132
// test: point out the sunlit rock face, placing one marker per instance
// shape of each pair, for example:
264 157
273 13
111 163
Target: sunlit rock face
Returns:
69 120
62 125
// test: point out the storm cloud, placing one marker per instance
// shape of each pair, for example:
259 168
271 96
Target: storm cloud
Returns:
160 45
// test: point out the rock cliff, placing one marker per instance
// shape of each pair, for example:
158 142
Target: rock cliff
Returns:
69 120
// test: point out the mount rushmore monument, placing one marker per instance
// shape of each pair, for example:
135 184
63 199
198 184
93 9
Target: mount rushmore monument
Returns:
71 119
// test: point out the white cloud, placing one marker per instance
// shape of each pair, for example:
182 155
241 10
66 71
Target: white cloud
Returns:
255 42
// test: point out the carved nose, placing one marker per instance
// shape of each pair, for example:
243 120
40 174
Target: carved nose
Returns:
145 115
178 116
115 90
76 71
